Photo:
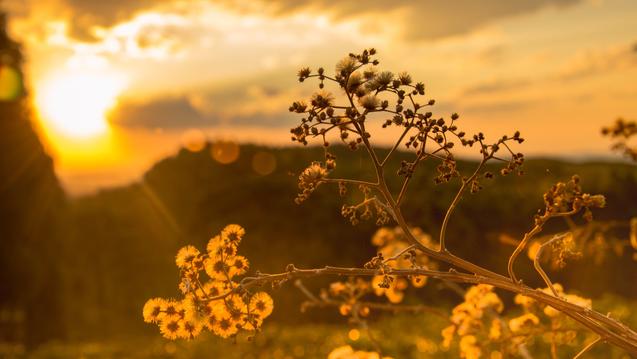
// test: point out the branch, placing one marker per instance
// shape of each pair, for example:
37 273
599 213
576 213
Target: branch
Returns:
538 267
539 225
607 328
454 203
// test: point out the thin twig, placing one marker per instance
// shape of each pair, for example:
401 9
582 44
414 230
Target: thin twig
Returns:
587 348
538 267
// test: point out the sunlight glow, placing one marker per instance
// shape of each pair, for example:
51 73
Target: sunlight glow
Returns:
75 104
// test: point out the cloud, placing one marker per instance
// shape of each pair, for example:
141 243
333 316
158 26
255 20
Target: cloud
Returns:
420 20
175 112
581 65
416 20
85 14
236 104
500 85
599 61
500 107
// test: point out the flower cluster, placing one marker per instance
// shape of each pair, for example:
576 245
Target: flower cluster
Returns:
217 303
348 295
562 249
311 178
482 330
566 197
369 207
475 321
394 250
622 131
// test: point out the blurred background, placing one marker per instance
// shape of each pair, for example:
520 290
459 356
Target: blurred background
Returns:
131 128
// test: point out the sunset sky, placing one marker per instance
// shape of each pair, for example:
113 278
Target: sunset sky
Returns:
120 84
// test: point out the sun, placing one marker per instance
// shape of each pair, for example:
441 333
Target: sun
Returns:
75 104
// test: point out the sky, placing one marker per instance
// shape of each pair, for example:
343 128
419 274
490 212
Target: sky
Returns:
121 84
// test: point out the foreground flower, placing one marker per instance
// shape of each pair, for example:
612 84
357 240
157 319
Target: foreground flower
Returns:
217 303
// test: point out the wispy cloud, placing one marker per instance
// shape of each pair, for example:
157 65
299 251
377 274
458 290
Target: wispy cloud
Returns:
593 62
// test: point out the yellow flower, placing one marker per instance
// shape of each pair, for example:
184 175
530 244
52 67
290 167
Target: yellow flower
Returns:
217 269
491 300
190 308
152 311
170 328
185 256
524 301
172 309
235 302
186 285
447 336
343 352
345 309
224 326
211 314
214 246
232 233
419 281
476 292
262 304
382 236
214 289
394 295
252 322
495 332
238 266
468 347
532 250
347 352
337 288
190 328
523 322
218 248
395 291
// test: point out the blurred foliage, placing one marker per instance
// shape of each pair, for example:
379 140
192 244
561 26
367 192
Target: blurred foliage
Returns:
34 220
404 336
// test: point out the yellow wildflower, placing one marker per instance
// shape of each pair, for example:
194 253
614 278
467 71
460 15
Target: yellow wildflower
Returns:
238 266
524 301
495 332
447 336
224 326
468 347
217 268
185 256
172 309
170 328
214 289
262 304
232 234
152 311
522 322
190 328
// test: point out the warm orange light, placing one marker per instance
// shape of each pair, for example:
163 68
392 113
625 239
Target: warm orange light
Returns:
75 103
